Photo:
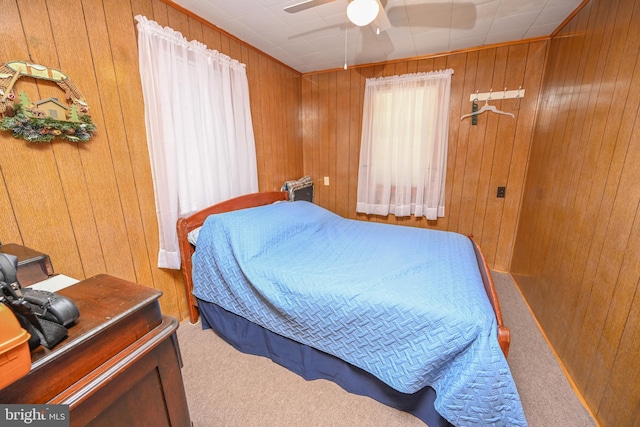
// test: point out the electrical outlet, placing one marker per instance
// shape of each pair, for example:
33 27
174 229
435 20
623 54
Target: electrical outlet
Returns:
326 180
501 191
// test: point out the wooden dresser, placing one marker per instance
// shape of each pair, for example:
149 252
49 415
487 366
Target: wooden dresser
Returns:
119 366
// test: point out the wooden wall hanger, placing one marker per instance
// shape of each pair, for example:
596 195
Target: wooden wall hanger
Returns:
486 97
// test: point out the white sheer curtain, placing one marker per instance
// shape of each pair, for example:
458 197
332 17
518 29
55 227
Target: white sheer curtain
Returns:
199 129
403 153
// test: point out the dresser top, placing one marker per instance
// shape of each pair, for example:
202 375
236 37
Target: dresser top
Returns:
103 301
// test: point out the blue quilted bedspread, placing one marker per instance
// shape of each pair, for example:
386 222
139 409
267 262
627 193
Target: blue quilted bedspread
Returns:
403 303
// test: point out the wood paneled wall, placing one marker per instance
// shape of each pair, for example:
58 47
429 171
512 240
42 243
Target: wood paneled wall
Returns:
91 206
576 256
480 158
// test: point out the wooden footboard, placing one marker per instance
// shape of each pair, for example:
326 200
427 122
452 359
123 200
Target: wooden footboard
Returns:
187 224
504 334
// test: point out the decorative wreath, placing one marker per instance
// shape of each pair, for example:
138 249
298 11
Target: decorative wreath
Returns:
46 119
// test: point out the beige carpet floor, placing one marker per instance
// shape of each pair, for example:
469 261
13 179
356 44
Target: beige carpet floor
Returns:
226 388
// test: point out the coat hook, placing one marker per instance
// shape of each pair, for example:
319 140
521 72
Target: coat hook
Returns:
516 103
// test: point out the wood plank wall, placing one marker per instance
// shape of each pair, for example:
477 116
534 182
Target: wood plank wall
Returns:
576 256
91 206
480 158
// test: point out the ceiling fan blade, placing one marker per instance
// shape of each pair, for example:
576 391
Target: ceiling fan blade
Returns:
304 5
381 23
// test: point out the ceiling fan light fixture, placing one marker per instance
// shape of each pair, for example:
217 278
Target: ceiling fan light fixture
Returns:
362 12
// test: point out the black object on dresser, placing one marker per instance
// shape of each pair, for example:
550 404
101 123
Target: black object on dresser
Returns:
33 266
119 366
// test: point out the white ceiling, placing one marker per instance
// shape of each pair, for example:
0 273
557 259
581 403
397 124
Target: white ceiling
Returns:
314 39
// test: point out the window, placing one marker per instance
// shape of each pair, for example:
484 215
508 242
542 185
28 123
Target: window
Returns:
199 129
403 154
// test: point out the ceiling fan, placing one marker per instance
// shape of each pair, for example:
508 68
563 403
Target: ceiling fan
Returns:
360 12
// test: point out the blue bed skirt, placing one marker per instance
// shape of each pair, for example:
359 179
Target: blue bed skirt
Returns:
312 364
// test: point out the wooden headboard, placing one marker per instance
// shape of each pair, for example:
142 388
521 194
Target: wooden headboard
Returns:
187 224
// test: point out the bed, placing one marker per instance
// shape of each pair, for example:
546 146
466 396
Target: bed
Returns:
407 316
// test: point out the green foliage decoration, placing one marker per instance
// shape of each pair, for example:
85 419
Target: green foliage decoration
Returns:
46 129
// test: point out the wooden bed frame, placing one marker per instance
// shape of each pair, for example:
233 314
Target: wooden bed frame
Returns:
191 222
